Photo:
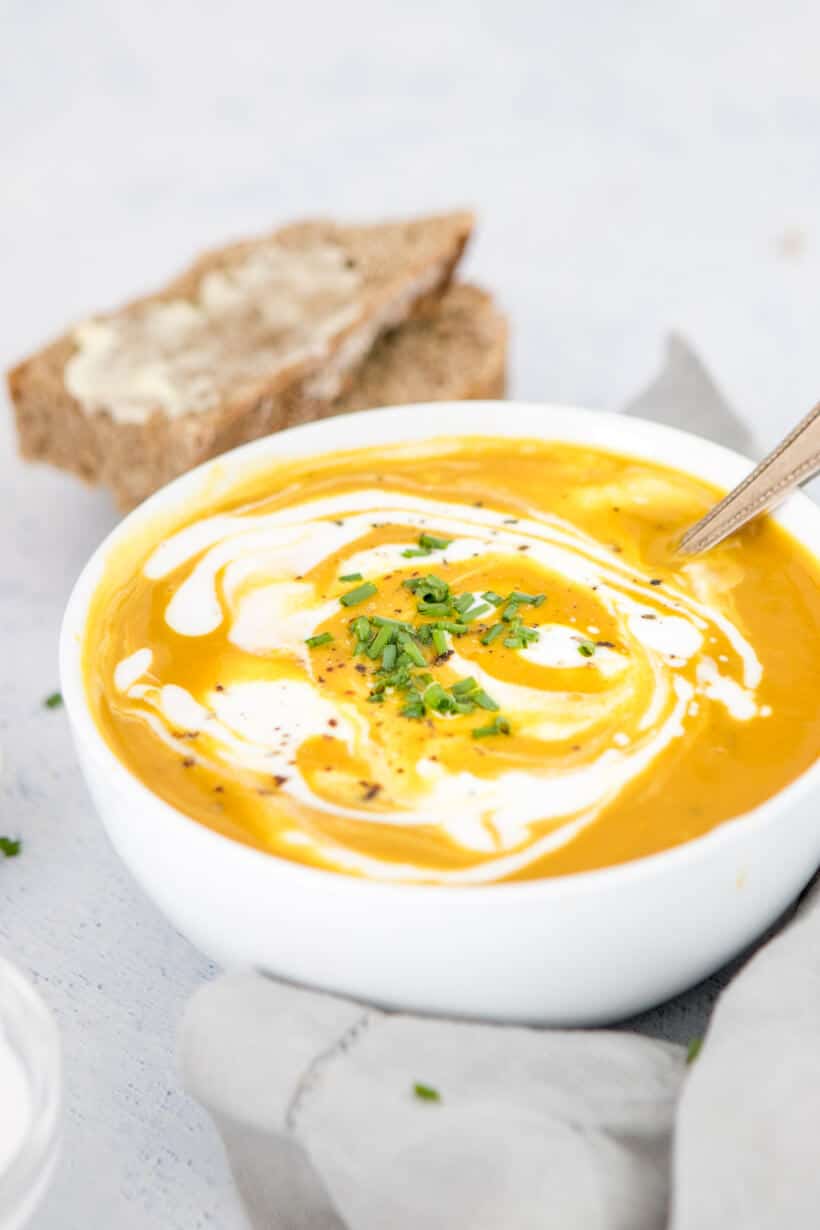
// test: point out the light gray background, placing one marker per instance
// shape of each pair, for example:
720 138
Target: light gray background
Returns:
637 167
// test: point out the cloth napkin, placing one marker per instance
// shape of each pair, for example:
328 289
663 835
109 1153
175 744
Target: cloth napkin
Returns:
315 1096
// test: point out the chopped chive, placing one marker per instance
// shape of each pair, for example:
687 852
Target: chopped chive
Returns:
361 627
463 602
450 625
323 638
693 1049
492 634
433 608
10 847
464 705
499 727
439 641
586 649
436 698
389 657
526 599
481 698
514 642
382 638
54 701
426 1093
474 612
432 543
415 552
409 647
414 707
354 596
351 576
431 587
376 698
399 624
464 687
491 596
511 612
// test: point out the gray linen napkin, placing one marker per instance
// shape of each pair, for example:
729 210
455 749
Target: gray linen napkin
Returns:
595 1130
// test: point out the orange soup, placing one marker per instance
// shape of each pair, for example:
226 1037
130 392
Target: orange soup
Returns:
464 661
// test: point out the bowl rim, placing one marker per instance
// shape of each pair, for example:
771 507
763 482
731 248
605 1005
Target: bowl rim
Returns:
635 438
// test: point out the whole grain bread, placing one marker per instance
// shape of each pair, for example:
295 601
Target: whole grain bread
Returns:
455 350
398 266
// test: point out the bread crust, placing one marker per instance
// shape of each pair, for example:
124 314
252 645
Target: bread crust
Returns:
453 347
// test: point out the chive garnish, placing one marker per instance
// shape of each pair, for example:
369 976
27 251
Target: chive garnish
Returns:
408 646
439 638
450 625
354 596
380 641
433 608
492 634
526 599
351 576
693 1049
10 847
491 596
432 543
464 687
436 698
473 612
389 657
54 701
499 727
414 707
586 649
427 544
481 698
511 612
323 638
426 1093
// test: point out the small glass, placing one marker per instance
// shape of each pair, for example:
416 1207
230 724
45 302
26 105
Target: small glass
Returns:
28 1028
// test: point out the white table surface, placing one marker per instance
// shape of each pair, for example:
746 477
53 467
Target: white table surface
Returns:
638 166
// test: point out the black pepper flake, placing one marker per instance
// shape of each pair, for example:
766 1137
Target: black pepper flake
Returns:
510 521
443 657
605 644
360 668
188 762
524 547
656 581
372 790
279 779
219 789
219 688
332 722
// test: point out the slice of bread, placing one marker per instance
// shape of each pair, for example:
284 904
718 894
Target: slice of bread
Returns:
455 350
252 338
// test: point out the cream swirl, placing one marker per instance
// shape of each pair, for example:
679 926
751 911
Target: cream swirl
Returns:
248 575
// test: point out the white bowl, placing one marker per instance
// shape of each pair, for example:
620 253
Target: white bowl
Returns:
578 949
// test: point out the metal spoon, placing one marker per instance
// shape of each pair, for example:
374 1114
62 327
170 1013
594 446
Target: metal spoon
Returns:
794 461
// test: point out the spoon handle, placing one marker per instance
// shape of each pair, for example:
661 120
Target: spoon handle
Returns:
795 460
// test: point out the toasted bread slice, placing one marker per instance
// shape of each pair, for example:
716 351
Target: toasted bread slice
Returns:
253 337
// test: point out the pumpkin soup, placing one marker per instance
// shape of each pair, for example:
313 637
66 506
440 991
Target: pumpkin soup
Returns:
458 662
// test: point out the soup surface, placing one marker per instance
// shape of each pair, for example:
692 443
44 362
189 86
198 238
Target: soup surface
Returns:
461 661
